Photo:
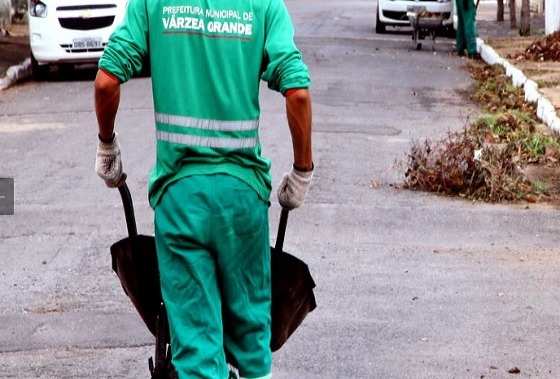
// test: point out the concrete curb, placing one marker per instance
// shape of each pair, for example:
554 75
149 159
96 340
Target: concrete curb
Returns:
545 110
15 74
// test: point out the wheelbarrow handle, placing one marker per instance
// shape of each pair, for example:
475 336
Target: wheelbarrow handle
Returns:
128 208
281 230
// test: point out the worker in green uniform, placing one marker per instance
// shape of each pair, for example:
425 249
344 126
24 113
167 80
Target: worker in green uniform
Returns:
210 185
466 28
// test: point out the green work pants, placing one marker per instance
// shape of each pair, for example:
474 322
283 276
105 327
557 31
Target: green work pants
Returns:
466 29
214 258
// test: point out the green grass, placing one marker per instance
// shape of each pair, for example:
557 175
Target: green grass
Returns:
539 187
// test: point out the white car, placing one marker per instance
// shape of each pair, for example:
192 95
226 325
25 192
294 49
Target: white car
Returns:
70 31
393 12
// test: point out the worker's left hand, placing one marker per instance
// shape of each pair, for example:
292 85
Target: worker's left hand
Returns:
293 187
108 164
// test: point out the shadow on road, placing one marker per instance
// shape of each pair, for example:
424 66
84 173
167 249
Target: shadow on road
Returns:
70 73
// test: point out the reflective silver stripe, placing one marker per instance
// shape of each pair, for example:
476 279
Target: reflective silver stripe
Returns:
201 141
200 123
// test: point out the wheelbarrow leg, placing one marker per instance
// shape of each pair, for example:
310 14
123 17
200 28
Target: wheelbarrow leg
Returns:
416 37
163 368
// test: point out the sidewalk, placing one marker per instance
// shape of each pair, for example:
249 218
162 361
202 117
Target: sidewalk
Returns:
15 48
509 44
489 28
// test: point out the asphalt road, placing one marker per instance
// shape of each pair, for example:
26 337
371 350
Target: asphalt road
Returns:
409 285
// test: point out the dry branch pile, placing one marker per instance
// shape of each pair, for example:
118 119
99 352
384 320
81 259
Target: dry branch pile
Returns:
544 49
486 160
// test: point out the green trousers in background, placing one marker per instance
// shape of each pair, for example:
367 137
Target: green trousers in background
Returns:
466 28
213 252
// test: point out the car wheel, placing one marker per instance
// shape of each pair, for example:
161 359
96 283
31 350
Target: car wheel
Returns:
38 72
379 26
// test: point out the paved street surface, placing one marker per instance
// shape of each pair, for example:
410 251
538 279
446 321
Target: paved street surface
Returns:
409 285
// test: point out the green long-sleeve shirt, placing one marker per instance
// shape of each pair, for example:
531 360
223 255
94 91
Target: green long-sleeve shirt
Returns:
207 58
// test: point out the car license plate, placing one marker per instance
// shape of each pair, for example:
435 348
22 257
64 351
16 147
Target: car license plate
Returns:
416 8
87 43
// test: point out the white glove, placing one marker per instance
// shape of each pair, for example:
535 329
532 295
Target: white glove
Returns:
108 163
293 188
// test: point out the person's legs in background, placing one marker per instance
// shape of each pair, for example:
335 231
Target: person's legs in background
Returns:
470 27
460 33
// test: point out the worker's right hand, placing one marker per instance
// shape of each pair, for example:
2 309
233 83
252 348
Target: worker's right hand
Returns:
108 163
293 187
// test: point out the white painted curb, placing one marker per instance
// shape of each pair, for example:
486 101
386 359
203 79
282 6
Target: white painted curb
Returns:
15 74
532 93
545 110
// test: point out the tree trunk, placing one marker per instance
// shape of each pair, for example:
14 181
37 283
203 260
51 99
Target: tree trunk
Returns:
500 14
512 14
525 28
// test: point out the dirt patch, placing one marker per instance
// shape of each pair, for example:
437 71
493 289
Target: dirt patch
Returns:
511 46
505 155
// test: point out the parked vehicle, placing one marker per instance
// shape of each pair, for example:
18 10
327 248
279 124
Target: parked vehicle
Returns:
5 16
393 12
70 31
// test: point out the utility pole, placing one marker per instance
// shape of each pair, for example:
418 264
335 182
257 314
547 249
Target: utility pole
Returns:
552 16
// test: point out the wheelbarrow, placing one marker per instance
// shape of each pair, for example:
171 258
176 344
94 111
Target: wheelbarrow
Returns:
134 260
424 24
